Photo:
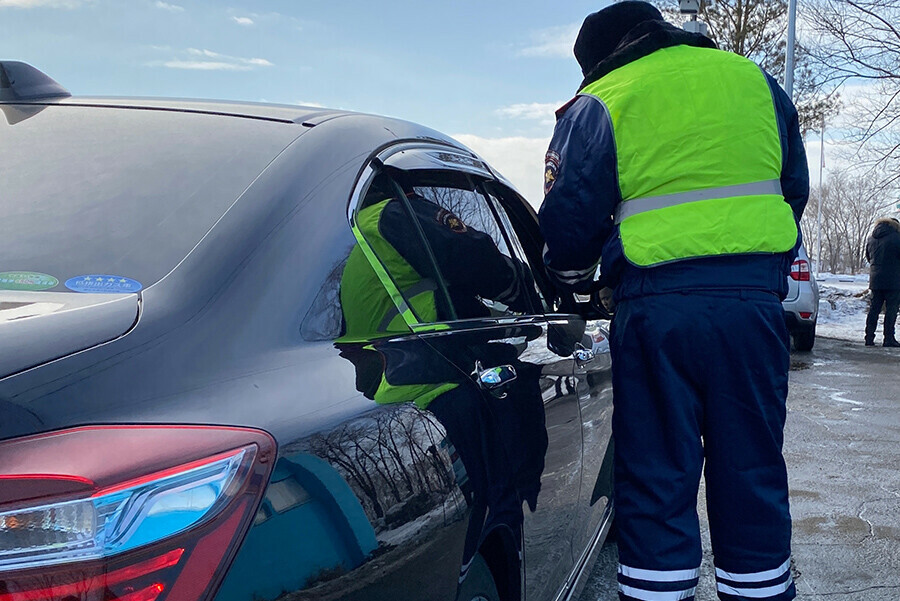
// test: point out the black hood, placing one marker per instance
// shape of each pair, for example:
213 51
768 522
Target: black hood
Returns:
641 40
885 227
602 31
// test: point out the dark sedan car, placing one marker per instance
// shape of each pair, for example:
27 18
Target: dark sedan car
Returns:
255 352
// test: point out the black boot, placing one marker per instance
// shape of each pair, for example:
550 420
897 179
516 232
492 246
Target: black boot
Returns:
891 343
870 341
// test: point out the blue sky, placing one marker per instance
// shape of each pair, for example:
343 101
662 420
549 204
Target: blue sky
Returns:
488 73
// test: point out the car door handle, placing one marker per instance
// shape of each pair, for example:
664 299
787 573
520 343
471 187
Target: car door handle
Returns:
582 355
494 379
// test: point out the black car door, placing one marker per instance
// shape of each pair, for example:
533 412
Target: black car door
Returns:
491 325
588 343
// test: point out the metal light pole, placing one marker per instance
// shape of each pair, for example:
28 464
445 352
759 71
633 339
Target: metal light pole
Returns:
821 199
789 59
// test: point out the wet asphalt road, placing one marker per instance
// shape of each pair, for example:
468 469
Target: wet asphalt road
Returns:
842 446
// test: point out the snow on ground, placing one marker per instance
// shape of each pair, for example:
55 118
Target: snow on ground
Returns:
843 302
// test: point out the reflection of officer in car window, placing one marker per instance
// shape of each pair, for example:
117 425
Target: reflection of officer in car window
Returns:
468 259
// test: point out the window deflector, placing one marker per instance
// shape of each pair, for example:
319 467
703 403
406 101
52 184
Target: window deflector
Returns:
415 157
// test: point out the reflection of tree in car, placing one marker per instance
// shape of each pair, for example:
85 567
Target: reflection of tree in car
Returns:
387 459
466 205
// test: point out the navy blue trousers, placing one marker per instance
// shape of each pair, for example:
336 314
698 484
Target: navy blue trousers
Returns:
701 377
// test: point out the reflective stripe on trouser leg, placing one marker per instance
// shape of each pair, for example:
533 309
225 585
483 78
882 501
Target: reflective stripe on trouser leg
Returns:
657 585
776 583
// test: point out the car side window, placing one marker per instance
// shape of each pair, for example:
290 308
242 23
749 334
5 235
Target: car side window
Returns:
535 269
437 242
475 257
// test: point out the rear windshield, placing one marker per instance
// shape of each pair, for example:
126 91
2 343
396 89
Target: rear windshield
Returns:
119 193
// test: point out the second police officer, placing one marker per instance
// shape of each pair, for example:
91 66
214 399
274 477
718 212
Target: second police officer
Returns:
683 166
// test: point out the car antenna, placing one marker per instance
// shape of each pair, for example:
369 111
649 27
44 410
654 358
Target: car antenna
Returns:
20 82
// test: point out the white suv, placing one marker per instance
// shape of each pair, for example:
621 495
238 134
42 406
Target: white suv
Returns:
801 305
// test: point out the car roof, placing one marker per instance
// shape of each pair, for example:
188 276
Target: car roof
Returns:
286 113
23 84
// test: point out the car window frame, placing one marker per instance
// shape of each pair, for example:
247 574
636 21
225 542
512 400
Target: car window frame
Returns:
435 156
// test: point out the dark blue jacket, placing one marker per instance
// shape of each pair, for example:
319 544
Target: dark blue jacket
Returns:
581 193
883 253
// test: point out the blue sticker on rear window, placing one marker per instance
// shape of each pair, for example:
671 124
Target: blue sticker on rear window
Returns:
110 284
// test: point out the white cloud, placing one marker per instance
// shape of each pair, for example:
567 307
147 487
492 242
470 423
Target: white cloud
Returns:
207 60
203 52
519 159
249 62
553 42
204 65
311 104
172 8
245 21
543 112
42 3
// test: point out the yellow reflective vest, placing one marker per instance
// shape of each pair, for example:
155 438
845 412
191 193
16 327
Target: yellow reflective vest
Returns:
699 157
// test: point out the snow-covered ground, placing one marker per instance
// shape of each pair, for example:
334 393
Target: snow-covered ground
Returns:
843 302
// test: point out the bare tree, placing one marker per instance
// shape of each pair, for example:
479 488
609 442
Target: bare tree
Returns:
859 41
851 203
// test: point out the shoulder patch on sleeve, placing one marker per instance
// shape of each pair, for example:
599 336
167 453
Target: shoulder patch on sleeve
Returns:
551 169
451 221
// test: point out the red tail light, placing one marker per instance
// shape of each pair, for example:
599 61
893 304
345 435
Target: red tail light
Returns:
800 270
127 513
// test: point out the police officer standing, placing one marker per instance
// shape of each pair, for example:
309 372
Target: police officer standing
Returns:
683 166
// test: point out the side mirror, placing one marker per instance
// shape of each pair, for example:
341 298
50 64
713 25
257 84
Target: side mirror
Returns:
597 305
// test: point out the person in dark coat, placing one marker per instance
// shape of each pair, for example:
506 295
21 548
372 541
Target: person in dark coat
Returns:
883 254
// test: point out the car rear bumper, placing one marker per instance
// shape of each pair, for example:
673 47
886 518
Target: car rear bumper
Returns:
795 322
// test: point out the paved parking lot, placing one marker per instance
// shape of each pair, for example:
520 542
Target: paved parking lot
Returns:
842 445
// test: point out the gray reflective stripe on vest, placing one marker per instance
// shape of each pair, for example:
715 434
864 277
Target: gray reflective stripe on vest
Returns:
636 206
410 293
